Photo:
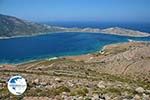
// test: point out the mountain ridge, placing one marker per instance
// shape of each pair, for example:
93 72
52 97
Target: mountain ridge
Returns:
14 27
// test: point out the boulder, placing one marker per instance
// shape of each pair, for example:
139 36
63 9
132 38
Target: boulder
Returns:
101 84
146 97
36 81
147 91
58 79
139 90
137 97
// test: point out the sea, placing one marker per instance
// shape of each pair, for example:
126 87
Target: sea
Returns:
23 49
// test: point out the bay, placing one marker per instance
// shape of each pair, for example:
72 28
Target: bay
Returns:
21 49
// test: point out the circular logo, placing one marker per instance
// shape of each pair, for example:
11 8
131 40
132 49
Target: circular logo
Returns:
17 85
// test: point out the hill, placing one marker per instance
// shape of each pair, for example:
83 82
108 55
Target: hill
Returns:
12 26
124 32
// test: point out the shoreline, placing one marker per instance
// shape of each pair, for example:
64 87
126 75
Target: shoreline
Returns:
80 56
102 50
22 36
145 34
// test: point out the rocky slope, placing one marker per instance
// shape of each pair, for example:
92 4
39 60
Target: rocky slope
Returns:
113 30
118 72
124 32
12 26
126 59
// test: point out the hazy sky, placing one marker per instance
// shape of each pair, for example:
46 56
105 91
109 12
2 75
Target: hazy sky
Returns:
78 10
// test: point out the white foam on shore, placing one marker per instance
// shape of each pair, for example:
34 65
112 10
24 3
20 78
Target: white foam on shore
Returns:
53 58
130 40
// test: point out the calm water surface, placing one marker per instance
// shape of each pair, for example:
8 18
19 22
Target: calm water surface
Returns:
17 50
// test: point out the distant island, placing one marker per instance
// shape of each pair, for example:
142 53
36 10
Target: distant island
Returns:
14 27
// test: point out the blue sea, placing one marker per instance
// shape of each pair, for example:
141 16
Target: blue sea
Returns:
21 49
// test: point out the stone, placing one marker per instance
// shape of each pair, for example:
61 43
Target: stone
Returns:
58 79
95 97
101 84
137 97
43 83
36 81
1 84
116 98
107 97
64 97
70 84
124 93
139 90
64 93
147 91
58 97
80 98
146 97
119 85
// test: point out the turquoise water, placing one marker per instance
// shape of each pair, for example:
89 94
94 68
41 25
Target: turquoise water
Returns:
17 50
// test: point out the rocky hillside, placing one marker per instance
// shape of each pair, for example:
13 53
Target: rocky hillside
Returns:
124 32
125 59
113 30
12 26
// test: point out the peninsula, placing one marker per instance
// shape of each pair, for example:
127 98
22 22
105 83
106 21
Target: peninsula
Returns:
14 27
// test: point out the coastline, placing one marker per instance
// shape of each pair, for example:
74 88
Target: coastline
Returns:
21 36
78 57
79 30
100 51
88 70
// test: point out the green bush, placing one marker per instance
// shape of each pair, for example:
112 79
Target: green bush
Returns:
79 91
